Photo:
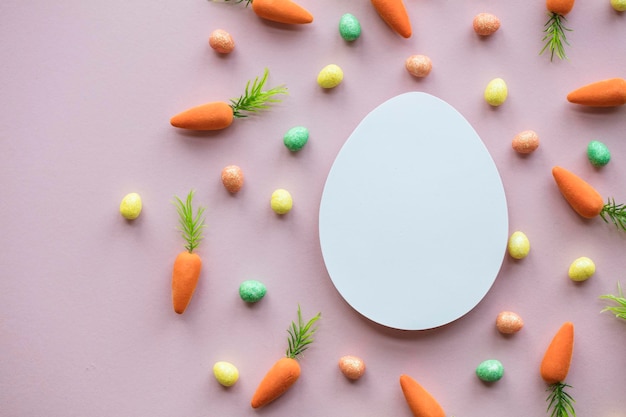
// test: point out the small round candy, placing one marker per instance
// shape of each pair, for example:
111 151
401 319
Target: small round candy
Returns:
496 92
518 245
281 201
486 24
508 322
581 269
418 65
349 27
525 142
232 178
330 76
226 373
490 370
619 5
598 154
130 207
252 291
296 138
221 41
352 367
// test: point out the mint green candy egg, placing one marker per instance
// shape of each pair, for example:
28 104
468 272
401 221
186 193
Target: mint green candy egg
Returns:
490 370
252 291
296 138
349 27
598 154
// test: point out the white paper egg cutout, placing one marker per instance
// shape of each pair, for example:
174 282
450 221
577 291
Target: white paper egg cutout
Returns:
413 220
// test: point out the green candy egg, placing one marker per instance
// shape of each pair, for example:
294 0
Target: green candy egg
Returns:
598 154
296 138
490 370
252 291
349 27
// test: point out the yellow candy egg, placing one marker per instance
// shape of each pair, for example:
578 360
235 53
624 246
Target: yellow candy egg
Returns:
130 207
281 201
352 367
581 269
508 322
330 76
226 373
518 245
496 92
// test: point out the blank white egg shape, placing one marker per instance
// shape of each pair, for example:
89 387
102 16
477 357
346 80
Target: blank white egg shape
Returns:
413 219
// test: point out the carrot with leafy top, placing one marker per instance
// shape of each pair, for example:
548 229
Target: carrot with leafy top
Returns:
605 93
554 369
394 13
554 29
219 115
280 11
420 401
286 371
188 264
586 201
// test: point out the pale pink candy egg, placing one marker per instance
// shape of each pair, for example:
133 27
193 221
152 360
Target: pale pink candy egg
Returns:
486 24
418 65
525 142
221 41
232 178
352 367
508 322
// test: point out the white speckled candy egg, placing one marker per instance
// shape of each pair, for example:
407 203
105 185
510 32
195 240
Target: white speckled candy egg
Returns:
525 142
582 269
418 65
221 41
496 92
130 207
352 367
226 373
330 76
519 245
508 322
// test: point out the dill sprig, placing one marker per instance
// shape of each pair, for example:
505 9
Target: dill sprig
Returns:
255 98
615 213
300 335
620 309
559 401
190 226
555 39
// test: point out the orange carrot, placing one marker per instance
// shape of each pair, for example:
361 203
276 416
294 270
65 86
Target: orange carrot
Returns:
219 115
281 11
188 264
395 15
561 7
583 198
554 369
286 371
420 401
605 93
554 29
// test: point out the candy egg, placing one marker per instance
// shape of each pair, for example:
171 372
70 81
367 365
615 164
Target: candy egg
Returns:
349 27
496 92
130 207
418 65
518 245
508 322
252 291
352 367
525 142
330 76
226 373
486 24
490 370
296 138
221 41
619 5
598 153
581 269
232 178
281 201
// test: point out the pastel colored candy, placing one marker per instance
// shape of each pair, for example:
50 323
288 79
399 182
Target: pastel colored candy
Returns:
598 153
418 65
296 138
349 27
221 41
519 245
281 201
252 291
525 142
226 373
581 269
509 322
490 370
330 76
485 24
232 178
352 367
496 92
131 206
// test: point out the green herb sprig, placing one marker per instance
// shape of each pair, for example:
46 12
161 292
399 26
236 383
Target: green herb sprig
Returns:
301 335
191 225
255 98
560 402
555 39
619 310
614 213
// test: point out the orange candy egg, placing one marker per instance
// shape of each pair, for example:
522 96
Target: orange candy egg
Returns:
232 178
508 322
221 41
352 367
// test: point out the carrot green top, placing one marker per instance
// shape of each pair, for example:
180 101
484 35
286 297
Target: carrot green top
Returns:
255 98
190 226
301 335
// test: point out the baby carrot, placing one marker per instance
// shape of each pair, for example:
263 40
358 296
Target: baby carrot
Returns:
554 28
395 15
420 401
605 93
281 11
286 371
554 369
219 115
188 264
586 201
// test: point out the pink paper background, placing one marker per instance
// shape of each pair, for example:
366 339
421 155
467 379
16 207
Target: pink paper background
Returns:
87 90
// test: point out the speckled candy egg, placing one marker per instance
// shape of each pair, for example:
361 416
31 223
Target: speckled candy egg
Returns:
226 373
496 92
352 367
519 245
221 41
582 269
281 201
418 65
296 138
619 5
508 322
598 153
130 207
232 178
349 27
486 24
252 291
525 142
330 76
490 370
